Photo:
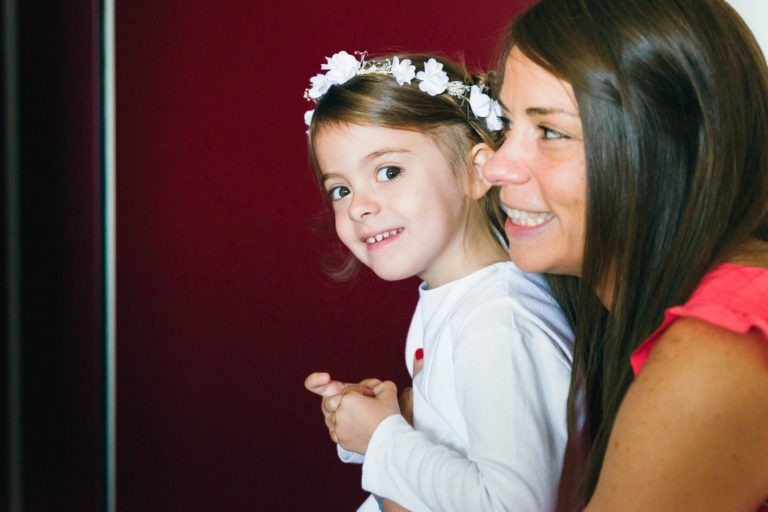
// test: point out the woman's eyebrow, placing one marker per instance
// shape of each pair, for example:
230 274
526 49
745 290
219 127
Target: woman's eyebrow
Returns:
540 111
544 111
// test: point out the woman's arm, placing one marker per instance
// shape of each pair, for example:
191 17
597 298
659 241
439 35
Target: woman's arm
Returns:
692 431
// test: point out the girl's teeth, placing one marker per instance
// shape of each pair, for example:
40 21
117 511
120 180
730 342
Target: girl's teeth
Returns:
381 236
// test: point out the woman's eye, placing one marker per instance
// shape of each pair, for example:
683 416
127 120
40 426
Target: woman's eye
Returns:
549 133
338 192
387 173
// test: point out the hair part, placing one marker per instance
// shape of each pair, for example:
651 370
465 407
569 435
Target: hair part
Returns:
674 104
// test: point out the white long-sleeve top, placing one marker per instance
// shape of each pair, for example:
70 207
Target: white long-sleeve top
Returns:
489 404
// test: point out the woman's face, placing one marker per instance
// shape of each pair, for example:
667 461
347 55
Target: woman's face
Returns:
541 170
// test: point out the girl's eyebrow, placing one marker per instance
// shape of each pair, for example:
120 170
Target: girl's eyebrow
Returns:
376 154
326 177
367 158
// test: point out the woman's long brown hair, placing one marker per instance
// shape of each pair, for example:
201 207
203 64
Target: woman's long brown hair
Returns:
673 97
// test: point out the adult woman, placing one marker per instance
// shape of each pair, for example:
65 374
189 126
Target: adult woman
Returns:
635 166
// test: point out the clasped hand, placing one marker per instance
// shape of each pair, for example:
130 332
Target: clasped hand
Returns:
353 411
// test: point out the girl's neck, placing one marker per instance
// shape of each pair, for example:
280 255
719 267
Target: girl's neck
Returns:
490 253
477 256
486 250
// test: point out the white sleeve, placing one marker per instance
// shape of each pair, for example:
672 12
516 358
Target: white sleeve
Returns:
369 505
511 383
348 456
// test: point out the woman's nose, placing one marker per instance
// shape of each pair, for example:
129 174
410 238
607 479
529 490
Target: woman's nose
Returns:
507 165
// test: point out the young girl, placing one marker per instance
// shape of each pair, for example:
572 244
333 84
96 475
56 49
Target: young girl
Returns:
398 144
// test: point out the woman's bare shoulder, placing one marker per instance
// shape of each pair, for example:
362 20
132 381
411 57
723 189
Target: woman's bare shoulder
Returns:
690 433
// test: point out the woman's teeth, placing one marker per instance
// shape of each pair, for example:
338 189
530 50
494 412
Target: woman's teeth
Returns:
524 218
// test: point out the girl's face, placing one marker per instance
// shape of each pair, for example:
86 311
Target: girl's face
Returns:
541 170
397 204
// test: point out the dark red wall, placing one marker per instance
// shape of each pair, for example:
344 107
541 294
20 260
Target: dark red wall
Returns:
222 306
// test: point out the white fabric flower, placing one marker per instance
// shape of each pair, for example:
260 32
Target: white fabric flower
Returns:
308 117
479 103
341 67
320 85
434 79
403 71
493 121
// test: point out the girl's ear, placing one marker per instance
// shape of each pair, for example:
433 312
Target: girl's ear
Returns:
480 154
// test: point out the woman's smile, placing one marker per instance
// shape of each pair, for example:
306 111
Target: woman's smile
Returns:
527 218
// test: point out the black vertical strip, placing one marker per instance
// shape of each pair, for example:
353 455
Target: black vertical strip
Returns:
12 320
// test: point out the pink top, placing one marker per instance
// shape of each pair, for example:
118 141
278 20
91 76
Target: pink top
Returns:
730 296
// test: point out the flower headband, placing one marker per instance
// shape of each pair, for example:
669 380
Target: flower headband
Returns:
342 67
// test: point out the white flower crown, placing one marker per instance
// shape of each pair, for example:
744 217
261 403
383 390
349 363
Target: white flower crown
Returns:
342 67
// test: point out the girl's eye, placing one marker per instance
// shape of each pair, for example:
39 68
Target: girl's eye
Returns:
549 133
388 173
338 192
506 124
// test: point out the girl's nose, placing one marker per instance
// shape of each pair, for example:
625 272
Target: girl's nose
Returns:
362 205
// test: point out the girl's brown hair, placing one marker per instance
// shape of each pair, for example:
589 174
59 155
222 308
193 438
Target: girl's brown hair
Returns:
377 99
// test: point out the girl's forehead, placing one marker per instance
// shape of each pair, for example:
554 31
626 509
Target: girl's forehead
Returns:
355 145
369 134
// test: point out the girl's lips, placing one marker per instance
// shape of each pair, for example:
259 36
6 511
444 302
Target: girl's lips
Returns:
383 235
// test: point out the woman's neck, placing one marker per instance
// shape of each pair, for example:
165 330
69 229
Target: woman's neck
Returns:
752 253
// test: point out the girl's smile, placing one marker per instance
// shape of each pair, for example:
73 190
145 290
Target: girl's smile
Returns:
375 240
